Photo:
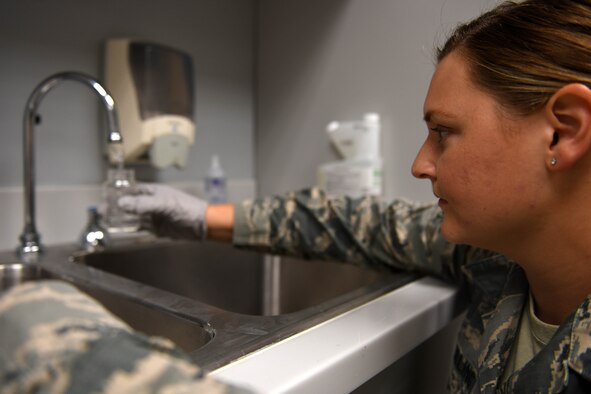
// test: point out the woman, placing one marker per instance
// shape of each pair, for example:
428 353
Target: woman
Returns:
508 155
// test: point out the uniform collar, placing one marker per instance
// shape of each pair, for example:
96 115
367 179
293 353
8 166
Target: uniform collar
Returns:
580 349
500 327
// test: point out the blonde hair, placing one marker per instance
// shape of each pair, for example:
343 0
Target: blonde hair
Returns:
522 53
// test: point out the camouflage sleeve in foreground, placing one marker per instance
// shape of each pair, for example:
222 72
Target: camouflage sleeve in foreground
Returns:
401 235
56 339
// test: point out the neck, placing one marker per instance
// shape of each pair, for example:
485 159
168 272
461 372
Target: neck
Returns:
557 263
555 299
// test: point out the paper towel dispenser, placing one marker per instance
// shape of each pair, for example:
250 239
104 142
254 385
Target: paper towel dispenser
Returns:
152 85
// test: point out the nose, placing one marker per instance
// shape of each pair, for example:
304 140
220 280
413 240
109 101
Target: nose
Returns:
424 165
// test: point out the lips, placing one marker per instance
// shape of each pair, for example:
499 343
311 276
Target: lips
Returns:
441 201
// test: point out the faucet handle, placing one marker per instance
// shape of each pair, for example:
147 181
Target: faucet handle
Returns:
94 237
30 245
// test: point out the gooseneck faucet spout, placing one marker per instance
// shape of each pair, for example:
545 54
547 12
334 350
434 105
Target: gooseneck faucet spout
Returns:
30 244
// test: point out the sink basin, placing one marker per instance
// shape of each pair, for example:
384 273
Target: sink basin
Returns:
186 334
235 280
216 302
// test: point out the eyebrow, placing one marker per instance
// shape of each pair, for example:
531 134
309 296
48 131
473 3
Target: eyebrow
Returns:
429 115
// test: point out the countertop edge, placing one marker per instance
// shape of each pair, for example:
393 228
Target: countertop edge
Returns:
347 350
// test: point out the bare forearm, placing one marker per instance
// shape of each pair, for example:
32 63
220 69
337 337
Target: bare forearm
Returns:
220 222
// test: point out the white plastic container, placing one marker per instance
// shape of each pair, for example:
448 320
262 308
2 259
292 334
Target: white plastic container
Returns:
353 178
215 182
357 139
360 172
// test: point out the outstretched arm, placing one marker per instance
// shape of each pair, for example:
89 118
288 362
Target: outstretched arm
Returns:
306 223
219 221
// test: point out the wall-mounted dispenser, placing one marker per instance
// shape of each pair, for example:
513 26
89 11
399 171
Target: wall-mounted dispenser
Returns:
152 85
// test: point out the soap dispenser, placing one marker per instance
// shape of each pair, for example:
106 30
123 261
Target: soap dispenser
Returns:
152 85
215 182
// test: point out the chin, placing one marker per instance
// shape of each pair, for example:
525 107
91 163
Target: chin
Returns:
451 234
462 237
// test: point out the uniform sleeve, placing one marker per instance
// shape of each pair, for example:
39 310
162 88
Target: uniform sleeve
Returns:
56 339
364 231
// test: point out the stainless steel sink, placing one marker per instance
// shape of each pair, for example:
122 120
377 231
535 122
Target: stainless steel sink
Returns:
216 302
188 335
236 280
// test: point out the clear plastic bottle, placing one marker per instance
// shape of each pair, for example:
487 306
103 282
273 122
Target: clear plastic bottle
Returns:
215 182
120 182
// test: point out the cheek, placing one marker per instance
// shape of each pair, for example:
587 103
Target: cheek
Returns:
475 187
481 189
466 174
485 172
461 174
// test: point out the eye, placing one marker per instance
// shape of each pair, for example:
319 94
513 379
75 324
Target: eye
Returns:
441 132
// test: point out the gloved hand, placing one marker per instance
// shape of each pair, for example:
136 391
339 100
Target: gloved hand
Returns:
172 213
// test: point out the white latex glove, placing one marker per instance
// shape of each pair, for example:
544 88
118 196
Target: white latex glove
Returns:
172 213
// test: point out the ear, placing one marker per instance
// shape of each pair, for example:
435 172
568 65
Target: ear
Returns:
569 114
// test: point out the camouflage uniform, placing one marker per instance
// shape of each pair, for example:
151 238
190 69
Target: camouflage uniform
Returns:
406 236
56 339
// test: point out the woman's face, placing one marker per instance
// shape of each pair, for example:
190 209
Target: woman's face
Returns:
487 168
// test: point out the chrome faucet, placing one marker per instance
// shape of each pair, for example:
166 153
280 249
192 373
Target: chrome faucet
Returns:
30 245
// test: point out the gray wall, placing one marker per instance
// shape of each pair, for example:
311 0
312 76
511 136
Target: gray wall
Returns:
327 60
334 60
38 38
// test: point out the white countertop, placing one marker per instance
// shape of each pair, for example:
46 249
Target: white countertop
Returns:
342 353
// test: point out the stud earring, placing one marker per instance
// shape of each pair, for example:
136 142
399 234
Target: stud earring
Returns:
553 161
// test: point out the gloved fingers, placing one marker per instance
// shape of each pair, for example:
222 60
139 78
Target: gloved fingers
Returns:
145 188
159 189
163 227
147 223
140 204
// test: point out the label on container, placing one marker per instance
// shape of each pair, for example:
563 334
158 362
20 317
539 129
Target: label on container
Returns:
351 179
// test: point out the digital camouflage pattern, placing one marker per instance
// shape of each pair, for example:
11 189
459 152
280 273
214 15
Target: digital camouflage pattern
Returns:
406 236
56 339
